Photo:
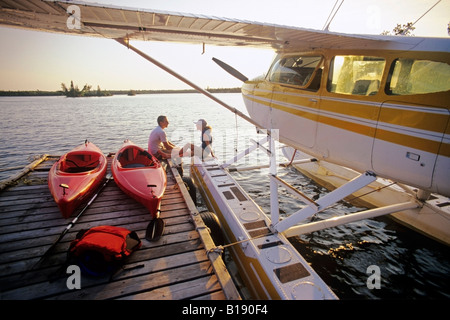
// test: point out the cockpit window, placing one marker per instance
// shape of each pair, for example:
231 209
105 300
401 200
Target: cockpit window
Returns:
356 75
295 70
409 76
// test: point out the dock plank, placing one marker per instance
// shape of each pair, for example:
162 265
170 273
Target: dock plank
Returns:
174 267
183 290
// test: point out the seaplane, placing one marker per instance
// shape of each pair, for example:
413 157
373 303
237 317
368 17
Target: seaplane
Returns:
377 105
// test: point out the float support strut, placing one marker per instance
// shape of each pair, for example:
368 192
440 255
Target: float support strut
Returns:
336 221
340 193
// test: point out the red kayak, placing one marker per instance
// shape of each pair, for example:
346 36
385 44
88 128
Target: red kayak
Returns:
140 176
76 176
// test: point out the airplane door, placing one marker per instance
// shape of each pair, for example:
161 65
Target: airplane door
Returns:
349 110
295 86
295 112
290 110
407 142
288 99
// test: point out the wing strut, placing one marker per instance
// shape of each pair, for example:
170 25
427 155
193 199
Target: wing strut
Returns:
127 44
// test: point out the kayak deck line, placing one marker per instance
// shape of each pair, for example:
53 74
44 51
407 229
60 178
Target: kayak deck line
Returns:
177 266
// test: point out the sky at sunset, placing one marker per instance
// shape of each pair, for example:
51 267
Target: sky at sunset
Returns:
31 60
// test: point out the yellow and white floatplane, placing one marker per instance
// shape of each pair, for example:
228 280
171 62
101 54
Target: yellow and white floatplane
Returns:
375 104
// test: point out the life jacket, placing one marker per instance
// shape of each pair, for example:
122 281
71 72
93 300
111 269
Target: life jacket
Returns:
206 130
100 250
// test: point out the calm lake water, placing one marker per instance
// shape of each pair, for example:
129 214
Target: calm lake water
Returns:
411 266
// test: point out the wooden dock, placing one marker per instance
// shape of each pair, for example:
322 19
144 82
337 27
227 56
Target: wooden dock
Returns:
178 266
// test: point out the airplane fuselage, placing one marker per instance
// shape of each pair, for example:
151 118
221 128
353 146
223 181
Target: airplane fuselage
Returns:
383 111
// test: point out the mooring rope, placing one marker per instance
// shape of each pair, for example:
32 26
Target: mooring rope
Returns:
220 249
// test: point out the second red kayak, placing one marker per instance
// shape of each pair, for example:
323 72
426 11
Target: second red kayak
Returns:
140 175
76 176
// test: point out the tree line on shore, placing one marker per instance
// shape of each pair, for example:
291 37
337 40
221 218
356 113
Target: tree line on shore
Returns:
73 91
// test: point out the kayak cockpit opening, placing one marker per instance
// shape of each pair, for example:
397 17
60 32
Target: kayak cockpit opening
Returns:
77 162
136 158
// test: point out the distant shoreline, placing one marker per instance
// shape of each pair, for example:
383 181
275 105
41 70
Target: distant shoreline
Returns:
37 93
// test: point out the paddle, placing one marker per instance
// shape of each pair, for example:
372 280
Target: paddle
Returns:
155 229
71 224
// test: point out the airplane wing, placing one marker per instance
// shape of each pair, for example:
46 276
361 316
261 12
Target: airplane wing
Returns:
106 21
